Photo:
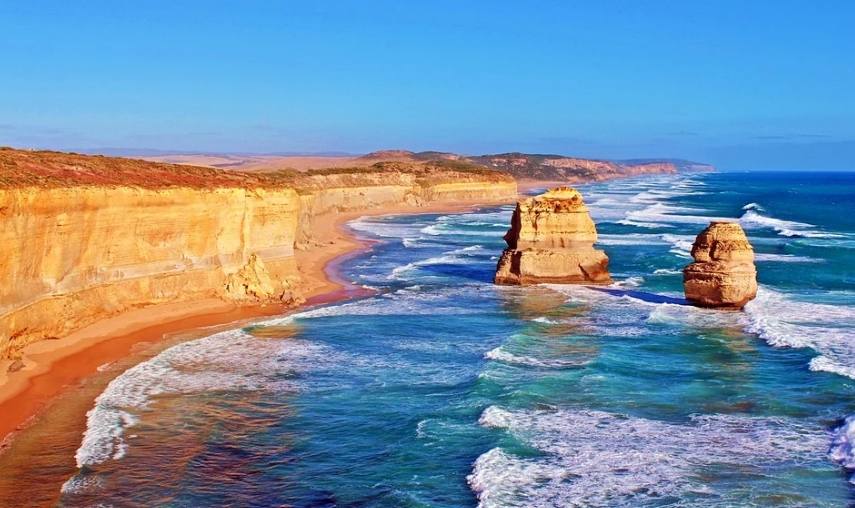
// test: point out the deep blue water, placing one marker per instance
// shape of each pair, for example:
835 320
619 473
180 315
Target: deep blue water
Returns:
444 390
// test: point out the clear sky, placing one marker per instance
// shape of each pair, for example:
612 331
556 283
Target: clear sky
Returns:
742 84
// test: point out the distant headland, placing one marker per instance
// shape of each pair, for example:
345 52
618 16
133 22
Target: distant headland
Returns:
522 166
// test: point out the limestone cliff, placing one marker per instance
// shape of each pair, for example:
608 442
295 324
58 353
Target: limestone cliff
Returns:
723 273
84 238
551 239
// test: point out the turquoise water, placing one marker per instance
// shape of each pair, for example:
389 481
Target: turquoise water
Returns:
443 390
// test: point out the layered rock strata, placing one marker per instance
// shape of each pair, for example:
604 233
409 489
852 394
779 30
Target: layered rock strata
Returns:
723 273
551 239
78 246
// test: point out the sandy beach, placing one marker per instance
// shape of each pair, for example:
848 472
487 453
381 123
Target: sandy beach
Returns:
55 366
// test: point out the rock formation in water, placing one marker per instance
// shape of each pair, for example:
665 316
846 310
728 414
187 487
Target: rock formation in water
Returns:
552 240
723 273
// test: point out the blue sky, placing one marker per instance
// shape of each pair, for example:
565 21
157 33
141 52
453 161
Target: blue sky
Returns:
744 85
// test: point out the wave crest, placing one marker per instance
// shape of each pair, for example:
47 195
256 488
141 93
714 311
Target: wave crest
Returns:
751 218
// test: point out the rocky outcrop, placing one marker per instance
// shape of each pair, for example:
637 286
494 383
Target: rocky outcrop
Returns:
77 247
551 239
254 282
723 273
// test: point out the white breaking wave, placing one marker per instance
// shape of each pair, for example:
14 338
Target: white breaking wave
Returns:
824 364
751 218
502 355
775 317
649 225
656 195
667 271
691 316
414 243
786 258
406 301
629 282
451 257
595 458
439 260
662 213
378 227
827 329
754 206
440 229
620 198
546 321
681 245
80 483
232 360
629 239
432 229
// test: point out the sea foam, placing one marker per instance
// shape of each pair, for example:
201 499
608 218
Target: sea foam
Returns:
596 458
501 354
681 245
667 214
231 360
782 321
785 258
752 218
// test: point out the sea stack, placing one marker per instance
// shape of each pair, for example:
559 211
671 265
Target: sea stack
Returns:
723 273
552 240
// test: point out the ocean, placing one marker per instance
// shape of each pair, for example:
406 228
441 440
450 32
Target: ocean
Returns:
443 390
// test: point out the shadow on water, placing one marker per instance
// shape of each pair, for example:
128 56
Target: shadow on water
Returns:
642 295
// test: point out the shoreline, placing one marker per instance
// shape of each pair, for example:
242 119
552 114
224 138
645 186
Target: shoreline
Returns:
53 367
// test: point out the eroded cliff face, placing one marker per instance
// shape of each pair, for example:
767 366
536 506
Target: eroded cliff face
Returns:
70 256
336 193
723 273
551 239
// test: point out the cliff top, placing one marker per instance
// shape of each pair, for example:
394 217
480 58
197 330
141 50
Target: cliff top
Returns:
42 168
562 193
556 200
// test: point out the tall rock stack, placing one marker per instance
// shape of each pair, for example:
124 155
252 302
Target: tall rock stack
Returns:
552 240
723 273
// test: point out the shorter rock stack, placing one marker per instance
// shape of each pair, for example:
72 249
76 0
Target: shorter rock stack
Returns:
723 273
552 240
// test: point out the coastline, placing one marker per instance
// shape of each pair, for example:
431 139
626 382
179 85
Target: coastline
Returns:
56 366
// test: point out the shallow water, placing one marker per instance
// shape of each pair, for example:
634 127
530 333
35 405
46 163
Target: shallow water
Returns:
444 390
